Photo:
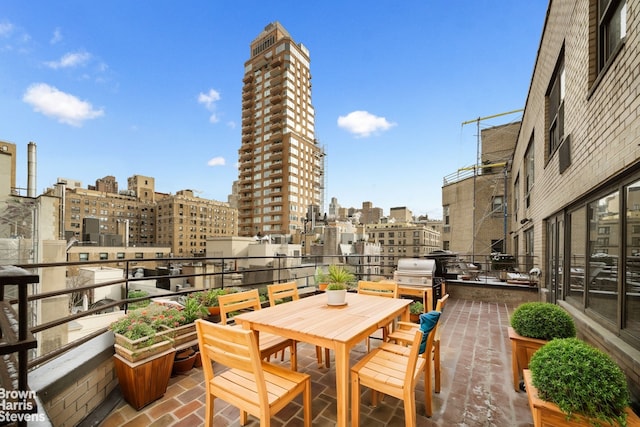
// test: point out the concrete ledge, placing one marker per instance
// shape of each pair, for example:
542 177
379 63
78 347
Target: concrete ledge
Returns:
485 292
73 385
63 371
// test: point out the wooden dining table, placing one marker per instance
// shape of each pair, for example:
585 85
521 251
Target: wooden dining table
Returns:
339 328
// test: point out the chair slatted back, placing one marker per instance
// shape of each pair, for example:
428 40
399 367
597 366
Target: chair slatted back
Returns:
279 291
439 307
381 289
441 302
235 348
229 303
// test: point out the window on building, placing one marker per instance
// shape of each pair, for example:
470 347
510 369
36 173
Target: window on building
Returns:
104 255
555 107
577 250
529 178
139 255
603 269
83 256
120 255
516 197
497 204
632 314
612 29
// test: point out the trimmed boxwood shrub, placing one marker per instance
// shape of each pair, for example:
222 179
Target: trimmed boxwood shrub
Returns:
580 379
542 320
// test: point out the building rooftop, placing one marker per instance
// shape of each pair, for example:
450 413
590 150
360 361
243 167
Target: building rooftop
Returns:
477 387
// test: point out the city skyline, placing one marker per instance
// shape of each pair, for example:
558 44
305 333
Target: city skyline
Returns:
125 89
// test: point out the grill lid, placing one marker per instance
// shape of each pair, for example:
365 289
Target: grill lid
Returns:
416 266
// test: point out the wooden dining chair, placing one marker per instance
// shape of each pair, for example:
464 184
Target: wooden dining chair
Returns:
288 292
394 374
254 386
403 334
269 344
385 289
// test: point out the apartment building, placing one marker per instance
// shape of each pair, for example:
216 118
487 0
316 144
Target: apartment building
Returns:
576 172
474 199
184 222
281 164
402 240
142 217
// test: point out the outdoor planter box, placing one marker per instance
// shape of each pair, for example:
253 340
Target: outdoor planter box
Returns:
522 348
547 414
136 350
145 381
182 334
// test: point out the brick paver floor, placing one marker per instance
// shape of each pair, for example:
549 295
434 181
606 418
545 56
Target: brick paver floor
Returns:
476 390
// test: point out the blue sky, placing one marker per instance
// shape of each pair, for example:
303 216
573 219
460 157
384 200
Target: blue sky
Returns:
153 88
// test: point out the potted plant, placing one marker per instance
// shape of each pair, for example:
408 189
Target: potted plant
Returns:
533 324
180 322
416 308
138 336
338 279
320 279
570 383
143 356
209 299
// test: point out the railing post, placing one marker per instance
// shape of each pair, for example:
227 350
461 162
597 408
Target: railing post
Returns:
126 286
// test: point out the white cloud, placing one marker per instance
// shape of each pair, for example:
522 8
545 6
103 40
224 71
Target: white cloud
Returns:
209 101
217 161
64 107
363 123
6 28
57 36
70 60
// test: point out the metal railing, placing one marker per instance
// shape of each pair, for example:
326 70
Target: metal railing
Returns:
193 274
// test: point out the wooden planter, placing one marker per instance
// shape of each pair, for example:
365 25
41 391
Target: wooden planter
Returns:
547 414
522 348
182 334
145 381
140 349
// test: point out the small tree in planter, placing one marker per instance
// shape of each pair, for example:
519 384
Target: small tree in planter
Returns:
586 385
533 324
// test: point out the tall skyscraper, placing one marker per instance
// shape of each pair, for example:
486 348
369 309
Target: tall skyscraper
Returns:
281 164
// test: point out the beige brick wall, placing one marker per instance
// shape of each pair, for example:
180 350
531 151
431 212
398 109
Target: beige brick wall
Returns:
602 120
78 400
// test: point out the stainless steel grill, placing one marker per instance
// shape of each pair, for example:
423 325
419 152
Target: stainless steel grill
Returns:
415 272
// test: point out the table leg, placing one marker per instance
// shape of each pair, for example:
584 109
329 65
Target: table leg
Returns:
342 383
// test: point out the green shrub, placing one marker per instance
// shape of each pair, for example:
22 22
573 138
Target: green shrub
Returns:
138 304
542 320
580 379
416 307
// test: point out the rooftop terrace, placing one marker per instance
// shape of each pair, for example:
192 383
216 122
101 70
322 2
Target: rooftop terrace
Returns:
476 384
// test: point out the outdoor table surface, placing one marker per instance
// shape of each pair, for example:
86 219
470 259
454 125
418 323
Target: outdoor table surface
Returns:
339 328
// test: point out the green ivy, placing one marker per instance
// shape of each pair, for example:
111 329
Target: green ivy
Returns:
542 320
580 379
